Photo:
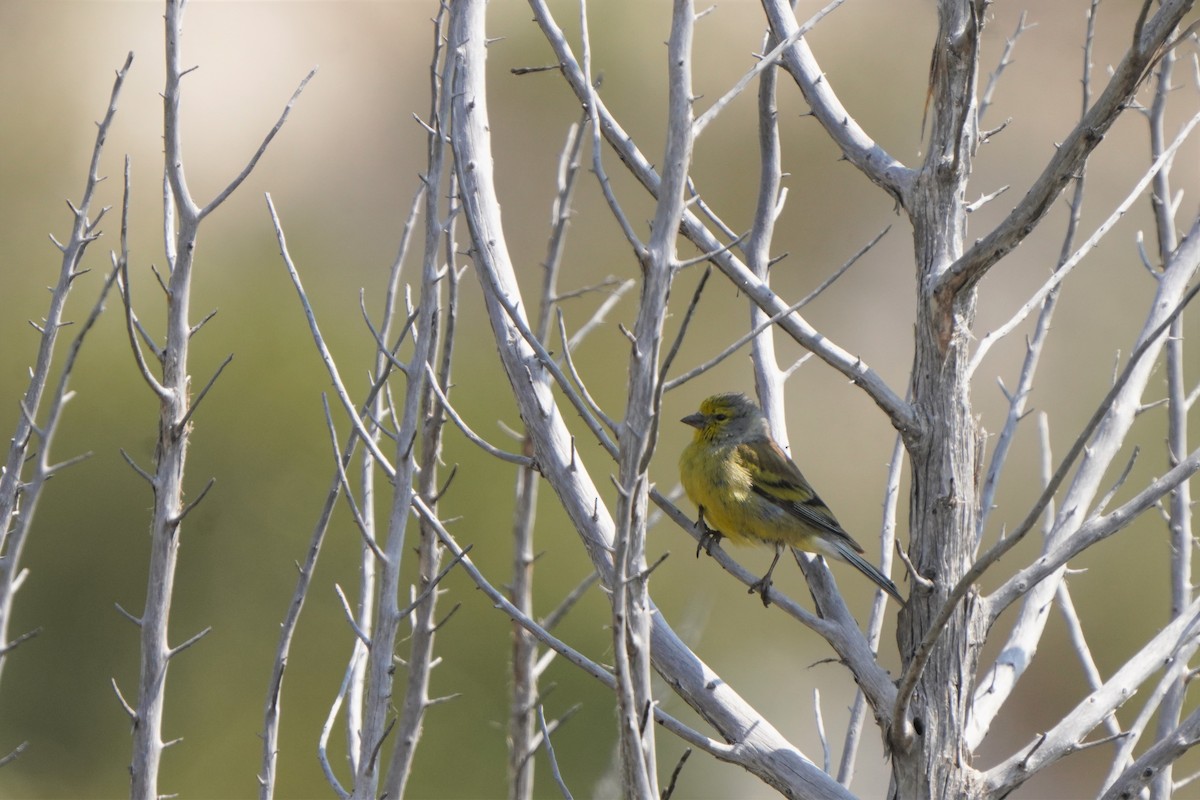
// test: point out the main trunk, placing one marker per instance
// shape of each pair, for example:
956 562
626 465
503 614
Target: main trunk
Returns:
935 761
942 517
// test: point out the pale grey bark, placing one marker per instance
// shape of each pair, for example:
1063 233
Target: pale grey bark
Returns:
937 715
22 477
939 428
181 223
756 744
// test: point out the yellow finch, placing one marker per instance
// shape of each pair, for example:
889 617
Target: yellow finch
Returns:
746 488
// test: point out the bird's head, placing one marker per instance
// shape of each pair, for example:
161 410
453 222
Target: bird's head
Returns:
727 417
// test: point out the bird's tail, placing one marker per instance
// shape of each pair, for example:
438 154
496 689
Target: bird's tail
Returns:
846 553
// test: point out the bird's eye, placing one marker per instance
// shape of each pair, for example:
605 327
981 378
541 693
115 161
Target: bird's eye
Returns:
720 417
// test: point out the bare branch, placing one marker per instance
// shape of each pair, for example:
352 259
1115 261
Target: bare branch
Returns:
185 645
133 715
1065 737
599 315
323 350
1067 266
14 754
826 758
1156 759
591 103
1069 157
360 520
20 640
1010 44
595 414
223 195
765 62
354 626
551 620
554 770
858 147
887 543
899 412
718 749
203 392
1092 531
1014 587
483 444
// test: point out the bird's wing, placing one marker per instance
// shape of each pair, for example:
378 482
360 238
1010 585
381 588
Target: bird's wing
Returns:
776 478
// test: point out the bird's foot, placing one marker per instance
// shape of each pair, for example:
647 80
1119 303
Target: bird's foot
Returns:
762 587
708 540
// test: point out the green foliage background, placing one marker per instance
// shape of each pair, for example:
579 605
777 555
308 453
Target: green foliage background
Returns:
342 174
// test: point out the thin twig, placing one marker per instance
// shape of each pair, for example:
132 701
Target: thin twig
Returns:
1061 273
327 357
479 441
262 148
554 770
765 62
1010 44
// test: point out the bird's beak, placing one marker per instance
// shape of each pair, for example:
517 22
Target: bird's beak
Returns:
695 420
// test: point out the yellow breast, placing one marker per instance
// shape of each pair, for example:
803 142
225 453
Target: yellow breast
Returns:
717 482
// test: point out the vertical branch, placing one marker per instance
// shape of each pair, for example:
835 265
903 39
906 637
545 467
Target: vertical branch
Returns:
523 700
380 678
891 500
423 616
1016 654
631 600
1033 350
928 743
1179 506
181 222
17 502
359 433
376 409
181 219
761 749
768 378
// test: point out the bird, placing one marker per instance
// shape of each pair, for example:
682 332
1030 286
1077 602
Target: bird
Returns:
748 490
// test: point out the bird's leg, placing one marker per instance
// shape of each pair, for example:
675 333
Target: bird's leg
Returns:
763 584
708 537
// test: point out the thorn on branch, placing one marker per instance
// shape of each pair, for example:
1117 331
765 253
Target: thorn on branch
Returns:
20 640
145 475
196 328
162 284
916 577
135 620
432 585
532 70
984 200
174 651
644 574
445 486
358 631
14 755
179 426
174 523
133 716
446 618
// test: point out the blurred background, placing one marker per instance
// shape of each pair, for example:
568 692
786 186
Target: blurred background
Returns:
342 174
